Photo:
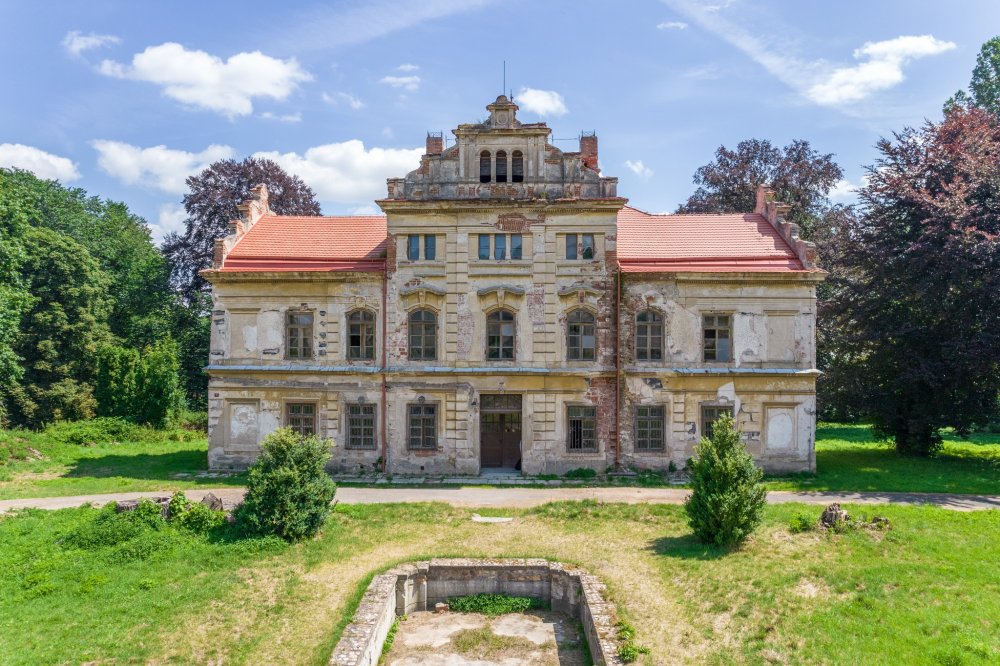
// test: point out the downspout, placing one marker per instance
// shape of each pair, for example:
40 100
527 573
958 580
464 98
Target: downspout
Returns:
618 368
385 361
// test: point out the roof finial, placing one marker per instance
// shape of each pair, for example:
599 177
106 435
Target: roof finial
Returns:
504 77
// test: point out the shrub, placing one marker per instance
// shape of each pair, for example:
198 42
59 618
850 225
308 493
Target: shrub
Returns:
288 490
801 522
629 652
581 473
102 430
493 604
625 630
144 387
727 499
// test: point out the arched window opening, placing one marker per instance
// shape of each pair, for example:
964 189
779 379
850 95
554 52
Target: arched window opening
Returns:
484 166
501 166
581 336
361 335
500 333
423 335
517 167
648 336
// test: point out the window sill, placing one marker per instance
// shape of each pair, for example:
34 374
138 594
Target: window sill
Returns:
423 452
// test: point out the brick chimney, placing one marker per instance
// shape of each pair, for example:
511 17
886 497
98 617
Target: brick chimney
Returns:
435 143
588 149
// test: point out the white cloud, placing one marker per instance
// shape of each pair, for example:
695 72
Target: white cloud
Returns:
283 118
817 80
370 209
206 81
352 101
844 191
542 102
410 83
408 67
672 25
883 69
171 218
347 172
158 166
75 42
387 132
44 165
639 169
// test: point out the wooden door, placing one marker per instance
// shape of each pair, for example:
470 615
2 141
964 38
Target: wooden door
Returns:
500 431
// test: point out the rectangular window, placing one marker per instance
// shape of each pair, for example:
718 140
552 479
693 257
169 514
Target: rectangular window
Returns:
515 246
413 247
650 425
499 246
586 246
360 427
301 417
422 423
430 247
709 415
579 246
582 429
571 246
484 246
298 334
716 331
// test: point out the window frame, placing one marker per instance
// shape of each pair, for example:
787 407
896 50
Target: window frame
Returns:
413 247
349 442
517 166
430 247
423 335
300 428
487 246
485 160
715 328
643 352
365 352
705 424
499 321
422 407
500 247
501 159
308 349
588 413
639 418
578 352
577 245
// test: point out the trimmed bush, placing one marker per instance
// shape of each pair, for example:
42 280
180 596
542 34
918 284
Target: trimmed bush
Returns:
288 489
727 499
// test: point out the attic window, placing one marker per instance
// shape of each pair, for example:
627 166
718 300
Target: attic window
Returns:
484 166
517 167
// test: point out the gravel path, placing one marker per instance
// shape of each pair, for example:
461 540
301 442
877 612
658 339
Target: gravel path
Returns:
529 497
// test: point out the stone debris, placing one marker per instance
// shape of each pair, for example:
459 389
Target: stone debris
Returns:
833 515
213 502
441 608
476 518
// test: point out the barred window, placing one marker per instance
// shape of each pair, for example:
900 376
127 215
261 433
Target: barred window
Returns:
709 415
582 432
360 427
422 423
301 417
581 338
361 335
423 335
650 427
501 329
648 336
716 333
298 334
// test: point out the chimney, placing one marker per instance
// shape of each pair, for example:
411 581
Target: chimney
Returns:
588 149
435 143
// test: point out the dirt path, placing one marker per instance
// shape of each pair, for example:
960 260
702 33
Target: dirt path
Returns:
529 497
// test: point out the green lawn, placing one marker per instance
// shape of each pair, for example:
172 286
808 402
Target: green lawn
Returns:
847 458
922 592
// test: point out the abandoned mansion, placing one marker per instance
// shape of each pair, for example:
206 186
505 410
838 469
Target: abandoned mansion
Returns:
509 310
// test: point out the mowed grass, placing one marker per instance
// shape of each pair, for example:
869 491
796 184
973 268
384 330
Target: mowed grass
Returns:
36 464
849 458
923 592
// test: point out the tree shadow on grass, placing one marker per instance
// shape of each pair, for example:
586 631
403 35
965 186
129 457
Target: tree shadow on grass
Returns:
687 547
174 466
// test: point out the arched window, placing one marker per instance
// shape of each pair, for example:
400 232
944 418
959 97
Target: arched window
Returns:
648 336
581 337
500 332
423 335
517 167
501 166
484 166
361 335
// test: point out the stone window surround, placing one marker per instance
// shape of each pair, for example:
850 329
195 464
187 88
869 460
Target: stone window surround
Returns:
732 346
486 346
346 419
665 428
288 313
226 416
287 401
438 426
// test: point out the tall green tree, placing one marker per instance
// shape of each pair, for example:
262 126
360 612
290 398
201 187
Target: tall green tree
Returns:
801 177
14 296
984 88
918 303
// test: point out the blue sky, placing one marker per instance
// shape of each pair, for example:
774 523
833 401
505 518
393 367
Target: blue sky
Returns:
127 98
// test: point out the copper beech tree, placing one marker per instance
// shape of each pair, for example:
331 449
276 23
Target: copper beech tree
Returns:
917 299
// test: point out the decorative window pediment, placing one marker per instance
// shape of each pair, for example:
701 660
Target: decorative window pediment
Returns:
500 296
423 295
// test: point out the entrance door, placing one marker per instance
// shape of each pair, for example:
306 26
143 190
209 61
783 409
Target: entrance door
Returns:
500 431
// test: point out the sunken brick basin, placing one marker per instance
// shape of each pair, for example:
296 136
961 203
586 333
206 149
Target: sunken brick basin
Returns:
417 586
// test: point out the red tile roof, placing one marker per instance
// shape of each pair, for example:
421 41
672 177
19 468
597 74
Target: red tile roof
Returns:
724 243
314 243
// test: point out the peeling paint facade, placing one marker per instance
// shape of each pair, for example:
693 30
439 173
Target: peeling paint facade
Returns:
499 330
